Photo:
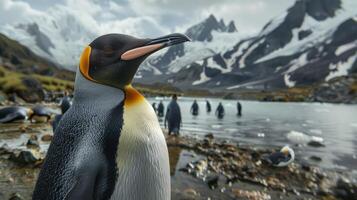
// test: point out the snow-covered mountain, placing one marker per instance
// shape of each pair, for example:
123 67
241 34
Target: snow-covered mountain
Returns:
58 36
312 42
209 39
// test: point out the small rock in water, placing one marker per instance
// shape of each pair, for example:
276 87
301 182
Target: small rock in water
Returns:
32 142
209 136
212 182
16 196
345 189
47 138
316 158
190 192
24 157
315 144
256 195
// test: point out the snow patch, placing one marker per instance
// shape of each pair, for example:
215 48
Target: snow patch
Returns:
341 68
274 24
289 83
321 31
203 78
343 48
249 51
297 63
200 62
212 64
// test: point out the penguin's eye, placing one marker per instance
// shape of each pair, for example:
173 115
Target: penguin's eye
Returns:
108 51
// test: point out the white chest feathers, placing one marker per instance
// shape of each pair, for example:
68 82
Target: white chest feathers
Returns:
142 156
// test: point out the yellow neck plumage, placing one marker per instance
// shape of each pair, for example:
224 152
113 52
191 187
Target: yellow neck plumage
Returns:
132 96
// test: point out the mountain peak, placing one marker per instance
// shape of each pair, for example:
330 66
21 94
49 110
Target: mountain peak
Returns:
42 41
203 30
318 9
231 27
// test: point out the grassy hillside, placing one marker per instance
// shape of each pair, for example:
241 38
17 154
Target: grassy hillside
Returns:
19 58
29 76
31 87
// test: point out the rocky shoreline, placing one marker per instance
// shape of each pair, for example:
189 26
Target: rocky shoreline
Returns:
203 168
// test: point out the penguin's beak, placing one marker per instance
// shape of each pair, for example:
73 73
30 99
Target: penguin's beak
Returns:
154 45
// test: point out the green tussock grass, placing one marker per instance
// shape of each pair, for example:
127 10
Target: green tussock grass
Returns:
12 81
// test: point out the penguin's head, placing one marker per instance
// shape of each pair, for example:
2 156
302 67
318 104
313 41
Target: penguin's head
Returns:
286 150
113 59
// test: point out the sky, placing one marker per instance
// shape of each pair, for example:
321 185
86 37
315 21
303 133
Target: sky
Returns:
148 17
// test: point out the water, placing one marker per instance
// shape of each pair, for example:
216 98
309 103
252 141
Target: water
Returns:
269 123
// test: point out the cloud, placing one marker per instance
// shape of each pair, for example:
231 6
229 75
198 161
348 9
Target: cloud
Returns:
16 12
146 17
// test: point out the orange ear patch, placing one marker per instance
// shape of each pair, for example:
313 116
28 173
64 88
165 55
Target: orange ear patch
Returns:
132 96
84 63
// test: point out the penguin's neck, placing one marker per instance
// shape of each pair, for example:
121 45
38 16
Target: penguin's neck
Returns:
87 92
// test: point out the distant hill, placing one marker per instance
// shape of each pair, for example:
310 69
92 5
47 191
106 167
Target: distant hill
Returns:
17 57
29 76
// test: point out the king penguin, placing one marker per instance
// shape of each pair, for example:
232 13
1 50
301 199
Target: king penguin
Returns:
109 144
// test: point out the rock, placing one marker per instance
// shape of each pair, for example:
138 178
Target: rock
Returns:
209 136
315 144
305 166
24 157
190 192
254 195
34 91
345 189
212 182
33 143
316 158
16 196
47 138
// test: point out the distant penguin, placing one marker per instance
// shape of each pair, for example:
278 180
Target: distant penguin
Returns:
41 114
239 109
160 109
173 116
65 105
194 108
14 113
109 144
280 159
220 111
208 106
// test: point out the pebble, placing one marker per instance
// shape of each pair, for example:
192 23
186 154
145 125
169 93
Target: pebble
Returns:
24 157
16 196
47 138
212 182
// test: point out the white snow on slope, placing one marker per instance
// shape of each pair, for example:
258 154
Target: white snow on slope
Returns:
346 47
248 52
203 78
289 83
212 64
230 61
200 62
297 63
148 67
274 24
341 68
198 51
321 31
